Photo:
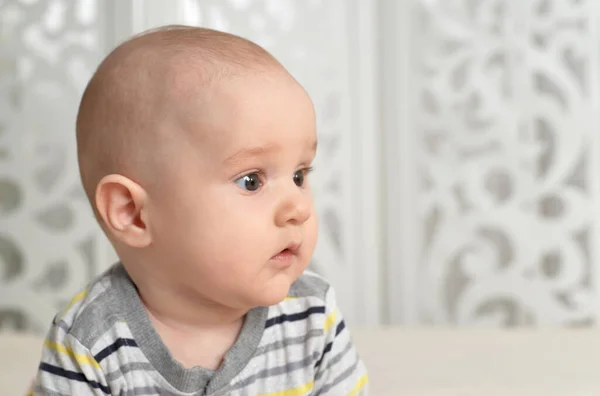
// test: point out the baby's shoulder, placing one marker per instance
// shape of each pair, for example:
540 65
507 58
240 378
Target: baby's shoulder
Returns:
309 308
90 310
308 285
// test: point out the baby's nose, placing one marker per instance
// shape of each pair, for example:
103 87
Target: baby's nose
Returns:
294 209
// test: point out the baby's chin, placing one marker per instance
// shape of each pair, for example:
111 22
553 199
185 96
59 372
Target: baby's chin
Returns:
273 292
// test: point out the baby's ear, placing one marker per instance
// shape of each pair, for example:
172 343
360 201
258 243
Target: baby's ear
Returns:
121 203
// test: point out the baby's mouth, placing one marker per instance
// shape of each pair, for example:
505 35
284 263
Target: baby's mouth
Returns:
287 253
283 255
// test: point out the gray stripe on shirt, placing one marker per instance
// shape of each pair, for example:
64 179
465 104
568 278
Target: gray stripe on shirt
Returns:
47 392
334 360
143 391
126 368
286 342
272 372
345 374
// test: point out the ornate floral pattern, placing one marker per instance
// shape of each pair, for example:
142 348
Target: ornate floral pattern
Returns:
507 119
49 243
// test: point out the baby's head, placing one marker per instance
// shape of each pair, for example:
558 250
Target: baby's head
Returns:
194 147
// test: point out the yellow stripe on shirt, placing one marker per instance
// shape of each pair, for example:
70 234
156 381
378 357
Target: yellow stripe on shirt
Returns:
330 320
301 390
78 357
78 297
359 385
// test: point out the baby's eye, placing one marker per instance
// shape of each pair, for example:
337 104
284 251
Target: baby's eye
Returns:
300 175
250 182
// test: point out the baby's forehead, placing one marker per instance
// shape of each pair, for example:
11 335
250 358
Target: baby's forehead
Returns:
264 98
244 118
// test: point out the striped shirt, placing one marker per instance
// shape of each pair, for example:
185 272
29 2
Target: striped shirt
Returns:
103 343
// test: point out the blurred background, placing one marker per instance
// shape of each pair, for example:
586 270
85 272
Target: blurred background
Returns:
458 173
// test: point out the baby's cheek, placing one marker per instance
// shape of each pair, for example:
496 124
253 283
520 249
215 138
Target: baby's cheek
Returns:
311 233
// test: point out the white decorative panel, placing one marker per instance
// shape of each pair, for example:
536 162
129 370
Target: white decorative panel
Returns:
49 244
505 129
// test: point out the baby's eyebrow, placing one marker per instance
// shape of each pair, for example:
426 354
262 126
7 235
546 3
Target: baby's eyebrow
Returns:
249 152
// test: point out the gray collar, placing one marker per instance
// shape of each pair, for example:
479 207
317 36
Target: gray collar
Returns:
196 379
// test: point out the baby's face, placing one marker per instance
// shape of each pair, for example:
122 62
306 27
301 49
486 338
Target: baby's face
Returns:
234 218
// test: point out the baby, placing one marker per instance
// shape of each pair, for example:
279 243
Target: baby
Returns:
194 150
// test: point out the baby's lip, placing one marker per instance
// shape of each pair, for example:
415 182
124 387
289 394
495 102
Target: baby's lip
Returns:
291 247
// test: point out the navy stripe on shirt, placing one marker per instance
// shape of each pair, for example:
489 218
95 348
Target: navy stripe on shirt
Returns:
294 317
120 342
341 326
73 376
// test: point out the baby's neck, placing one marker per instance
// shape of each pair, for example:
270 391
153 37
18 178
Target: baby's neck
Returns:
197 345
190 316
196 332
184 309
